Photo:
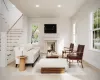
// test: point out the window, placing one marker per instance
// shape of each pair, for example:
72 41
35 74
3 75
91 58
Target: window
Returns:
35 34
96 30
74 33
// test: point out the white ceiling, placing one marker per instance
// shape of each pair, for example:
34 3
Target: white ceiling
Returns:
48 8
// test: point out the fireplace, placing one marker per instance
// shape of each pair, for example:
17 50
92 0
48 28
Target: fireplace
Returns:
51 42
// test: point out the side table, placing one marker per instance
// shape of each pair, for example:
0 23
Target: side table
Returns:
22 63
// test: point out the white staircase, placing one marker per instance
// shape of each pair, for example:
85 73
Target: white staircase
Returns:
12 35
13 38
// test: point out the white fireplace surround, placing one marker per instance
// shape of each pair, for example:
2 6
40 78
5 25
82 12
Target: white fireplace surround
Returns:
50 38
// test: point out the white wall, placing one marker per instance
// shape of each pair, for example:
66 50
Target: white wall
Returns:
10 15
23 24
19 24
14 15
63 30
0 24
0 16
82 19
0 6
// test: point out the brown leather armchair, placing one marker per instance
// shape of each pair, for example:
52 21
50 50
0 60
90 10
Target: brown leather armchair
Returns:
76 55
67 50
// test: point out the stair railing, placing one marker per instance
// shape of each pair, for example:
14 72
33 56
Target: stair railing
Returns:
5 5
15 23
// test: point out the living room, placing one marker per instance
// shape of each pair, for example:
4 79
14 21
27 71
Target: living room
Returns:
28 20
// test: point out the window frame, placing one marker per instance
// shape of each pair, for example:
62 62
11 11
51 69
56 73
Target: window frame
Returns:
92 29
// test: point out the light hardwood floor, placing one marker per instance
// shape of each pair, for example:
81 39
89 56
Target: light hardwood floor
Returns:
86 73
89 72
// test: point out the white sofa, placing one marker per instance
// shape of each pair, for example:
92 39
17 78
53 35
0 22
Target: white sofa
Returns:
32 52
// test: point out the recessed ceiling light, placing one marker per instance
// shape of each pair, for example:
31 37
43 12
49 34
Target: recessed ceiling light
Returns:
59 6
37 5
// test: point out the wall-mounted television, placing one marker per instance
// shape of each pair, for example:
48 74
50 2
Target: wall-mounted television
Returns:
50 28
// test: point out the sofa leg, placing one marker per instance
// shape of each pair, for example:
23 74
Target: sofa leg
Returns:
16 65
32 65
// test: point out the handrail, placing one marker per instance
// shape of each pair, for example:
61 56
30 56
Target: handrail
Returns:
5 5
14 24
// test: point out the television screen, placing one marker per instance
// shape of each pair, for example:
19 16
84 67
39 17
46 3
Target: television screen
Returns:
50 28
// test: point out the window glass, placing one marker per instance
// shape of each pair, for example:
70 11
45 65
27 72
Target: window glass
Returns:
35 34
99 34
99 22
95 14
95 23
95 34
93 44
99 12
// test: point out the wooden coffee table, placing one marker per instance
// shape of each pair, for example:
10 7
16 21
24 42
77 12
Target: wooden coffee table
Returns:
52 70
52 56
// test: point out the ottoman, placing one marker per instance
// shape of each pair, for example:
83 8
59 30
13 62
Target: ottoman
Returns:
53 65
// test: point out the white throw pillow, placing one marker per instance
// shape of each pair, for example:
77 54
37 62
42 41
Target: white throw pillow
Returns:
35 45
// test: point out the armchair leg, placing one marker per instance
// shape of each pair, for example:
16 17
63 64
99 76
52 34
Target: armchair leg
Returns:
69 63
77 61
32 65
62 55
16 65
67 59
81 63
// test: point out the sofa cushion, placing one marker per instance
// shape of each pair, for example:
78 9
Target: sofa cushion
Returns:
28 47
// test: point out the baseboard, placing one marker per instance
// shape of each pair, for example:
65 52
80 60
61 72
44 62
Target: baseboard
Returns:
91 65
